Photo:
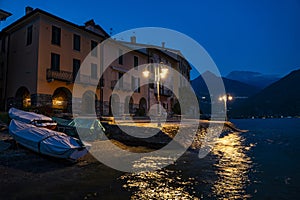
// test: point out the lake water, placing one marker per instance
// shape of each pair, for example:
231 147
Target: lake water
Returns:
262 163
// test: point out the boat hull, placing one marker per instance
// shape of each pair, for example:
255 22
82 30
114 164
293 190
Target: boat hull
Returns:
47 142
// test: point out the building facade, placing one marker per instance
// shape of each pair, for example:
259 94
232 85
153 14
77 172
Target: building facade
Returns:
41 58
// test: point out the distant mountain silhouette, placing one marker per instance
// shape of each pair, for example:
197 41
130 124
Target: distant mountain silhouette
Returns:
235 88
240 91
281 98
253 78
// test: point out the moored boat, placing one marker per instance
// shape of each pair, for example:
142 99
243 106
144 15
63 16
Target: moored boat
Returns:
46 141
32 118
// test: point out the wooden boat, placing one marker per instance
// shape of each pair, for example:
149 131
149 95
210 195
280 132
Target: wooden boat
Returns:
32 118
46 141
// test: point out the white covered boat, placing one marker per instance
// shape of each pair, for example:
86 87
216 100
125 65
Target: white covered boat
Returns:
46 141
32 118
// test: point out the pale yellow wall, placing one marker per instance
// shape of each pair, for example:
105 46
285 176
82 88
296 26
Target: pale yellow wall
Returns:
28 64
66 52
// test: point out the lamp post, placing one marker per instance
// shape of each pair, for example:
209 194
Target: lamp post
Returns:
160 72
225 98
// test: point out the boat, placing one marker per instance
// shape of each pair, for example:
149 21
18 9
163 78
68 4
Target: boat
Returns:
47 142
32 118
89 128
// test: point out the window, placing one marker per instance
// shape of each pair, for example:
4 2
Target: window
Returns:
76 67
76 42
55 62
94 44
120 80
151 68
94 71
56 32
120 56
135 62
135 84
29 35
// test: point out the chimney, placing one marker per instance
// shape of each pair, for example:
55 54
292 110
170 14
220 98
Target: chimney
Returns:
133 39
28 10
89 23
163 44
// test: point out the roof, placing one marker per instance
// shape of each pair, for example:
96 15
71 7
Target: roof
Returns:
39 11
4 14
144 47
172 53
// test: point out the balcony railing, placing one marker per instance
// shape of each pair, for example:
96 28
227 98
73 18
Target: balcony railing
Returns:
163 91
68 77
88 80
120 85
59 75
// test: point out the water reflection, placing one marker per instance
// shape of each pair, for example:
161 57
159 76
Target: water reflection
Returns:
161 184
232 167
222 174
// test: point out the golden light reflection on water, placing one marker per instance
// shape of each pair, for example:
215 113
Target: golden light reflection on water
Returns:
232 167
161 184
223 175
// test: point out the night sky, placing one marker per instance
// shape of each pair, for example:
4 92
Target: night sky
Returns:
253 35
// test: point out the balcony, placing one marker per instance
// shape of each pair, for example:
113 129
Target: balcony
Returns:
88 80
59 75
120 86
163 91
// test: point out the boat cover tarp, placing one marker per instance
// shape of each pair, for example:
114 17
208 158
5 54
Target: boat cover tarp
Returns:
47 142
88 128
30 117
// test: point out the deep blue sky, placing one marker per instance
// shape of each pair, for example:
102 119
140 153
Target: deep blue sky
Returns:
254 35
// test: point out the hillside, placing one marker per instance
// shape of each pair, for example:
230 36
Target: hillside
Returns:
253 78
239 91
235 88
281 98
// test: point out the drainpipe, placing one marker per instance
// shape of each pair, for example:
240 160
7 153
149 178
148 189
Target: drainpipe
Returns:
101 87
148 90
6 73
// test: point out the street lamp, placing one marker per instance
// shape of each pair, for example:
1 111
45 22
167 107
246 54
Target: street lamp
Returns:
160 72
225 98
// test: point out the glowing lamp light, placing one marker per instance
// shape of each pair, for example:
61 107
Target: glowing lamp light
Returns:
146 73
164 70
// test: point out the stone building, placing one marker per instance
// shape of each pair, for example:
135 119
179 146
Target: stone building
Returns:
41 57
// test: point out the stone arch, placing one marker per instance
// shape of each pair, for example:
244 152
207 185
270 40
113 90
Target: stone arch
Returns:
62 99
128 107
172 103
89 102
114 105
22 98
142 107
